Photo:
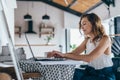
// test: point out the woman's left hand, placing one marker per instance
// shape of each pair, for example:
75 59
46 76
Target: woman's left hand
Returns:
58 54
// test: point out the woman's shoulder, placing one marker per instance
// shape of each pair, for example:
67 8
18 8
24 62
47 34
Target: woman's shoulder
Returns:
106 37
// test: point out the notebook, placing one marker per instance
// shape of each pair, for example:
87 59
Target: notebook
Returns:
41 58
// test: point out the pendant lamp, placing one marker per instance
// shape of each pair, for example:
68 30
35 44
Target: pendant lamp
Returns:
27 17
46 17
29 22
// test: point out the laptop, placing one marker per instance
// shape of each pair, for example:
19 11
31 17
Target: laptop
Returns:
41 58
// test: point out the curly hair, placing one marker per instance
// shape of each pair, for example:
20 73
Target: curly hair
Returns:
97 27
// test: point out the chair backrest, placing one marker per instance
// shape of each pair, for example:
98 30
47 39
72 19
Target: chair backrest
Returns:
116 46
20 53
5 51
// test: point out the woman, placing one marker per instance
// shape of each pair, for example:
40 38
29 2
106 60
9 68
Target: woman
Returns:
98 49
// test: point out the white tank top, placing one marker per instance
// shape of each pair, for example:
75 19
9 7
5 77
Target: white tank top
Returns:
100 62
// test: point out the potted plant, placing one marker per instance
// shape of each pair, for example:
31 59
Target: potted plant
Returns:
73 46
48 39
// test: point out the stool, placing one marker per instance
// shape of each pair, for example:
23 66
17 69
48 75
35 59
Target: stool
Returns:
9 70
31 75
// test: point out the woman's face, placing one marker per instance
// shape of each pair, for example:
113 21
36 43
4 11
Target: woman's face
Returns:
86 26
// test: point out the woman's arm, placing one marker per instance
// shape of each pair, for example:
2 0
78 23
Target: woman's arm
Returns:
77 51
100 49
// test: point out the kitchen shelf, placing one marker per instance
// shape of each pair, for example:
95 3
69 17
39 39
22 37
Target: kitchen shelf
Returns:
46 31
35 44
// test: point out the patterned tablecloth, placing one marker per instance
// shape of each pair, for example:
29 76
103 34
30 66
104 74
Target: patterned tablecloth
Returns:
51 71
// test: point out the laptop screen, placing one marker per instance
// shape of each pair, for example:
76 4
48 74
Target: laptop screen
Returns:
29 47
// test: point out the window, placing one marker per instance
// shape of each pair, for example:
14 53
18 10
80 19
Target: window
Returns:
76 38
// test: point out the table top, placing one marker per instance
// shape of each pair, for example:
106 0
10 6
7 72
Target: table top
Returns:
65 62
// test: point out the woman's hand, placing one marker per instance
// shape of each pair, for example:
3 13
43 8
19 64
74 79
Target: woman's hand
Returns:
55 54
50 54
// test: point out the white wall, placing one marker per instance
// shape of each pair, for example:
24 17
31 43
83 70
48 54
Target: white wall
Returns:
71 21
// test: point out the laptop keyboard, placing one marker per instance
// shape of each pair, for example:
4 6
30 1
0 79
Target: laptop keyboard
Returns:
50 59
